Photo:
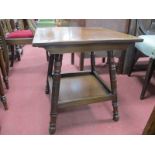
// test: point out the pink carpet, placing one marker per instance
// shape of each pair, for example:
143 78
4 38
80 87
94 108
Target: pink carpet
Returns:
29 106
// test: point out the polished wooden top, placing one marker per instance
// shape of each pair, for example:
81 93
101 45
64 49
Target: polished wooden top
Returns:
79 35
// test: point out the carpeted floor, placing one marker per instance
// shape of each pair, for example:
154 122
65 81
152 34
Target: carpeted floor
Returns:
29 106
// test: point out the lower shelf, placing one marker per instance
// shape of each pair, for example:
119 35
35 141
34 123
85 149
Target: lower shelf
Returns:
80 89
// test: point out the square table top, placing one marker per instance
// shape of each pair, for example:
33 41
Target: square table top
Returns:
56 36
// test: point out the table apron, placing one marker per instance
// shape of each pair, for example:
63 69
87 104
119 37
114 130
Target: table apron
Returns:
85 48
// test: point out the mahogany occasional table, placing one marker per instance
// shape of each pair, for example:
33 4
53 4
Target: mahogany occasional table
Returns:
79 88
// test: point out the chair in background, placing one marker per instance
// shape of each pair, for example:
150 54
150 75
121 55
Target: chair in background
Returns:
145 49
15 50
6 50
19 24
13 38
118 25
143 27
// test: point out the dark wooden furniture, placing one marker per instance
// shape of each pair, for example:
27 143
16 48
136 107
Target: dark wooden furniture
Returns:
2 93
82 87
3 69
5 28
149 73
142 27
150 125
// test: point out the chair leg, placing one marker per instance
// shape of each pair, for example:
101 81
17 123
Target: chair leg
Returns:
133 62
81 61
6 60
12 56
72 58
3 69
21 47
148 76
103 59
2 95
18 52
47 56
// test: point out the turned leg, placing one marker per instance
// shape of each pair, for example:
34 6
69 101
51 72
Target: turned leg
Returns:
2 96
92 58
148 76
50 70
112 72
72 58
3 69
55 92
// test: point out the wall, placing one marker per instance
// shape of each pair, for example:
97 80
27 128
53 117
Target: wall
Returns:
120 25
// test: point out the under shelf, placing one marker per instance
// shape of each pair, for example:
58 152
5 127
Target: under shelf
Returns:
80 89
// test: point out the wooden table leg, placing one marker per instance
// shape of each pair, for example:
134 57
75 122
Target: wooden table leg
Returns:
92 61
50 70
121 63
55 92
113 81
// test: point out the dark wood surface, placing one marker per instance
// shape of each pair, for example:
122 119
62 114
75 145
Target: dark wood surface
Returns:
79 35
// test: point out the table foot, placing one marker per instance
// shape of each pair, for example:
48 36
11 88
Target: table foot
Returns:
3 99
52 129
116 117
115 113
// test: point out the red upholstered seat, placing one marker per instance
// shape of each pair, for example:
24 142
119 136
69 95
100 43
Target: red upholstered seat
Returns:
20 34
